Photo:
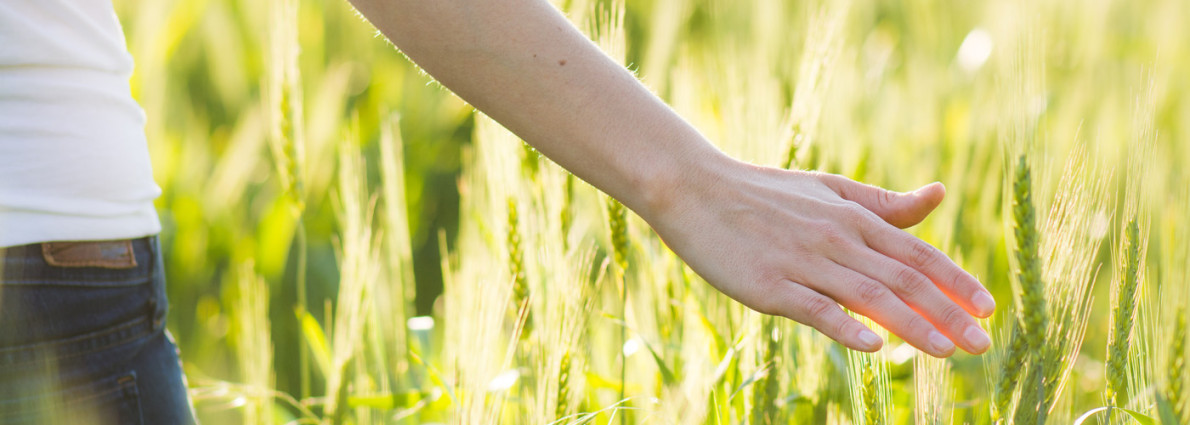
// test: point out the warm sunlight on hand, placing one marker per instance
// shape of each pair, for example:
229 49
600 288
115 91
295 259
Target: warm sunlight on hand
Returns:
798 244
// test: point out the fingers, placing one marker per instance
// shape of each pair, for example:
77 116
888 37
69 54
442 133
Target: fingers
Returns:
803 305
960 286
907 285
916 290
875 300
898 209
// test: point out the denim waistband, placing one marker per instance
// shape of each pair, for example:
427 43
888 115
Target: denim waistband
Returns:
27 265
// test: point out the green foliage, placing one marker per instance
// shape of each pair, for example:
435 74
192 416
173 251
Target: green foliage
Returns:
291 186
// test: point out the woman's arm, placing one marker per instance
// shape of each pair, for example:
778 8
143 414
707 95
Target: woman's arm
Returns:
782 242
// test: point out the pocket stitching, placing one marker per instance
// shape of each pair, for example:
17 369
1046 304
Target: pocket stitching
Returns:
127 388
115 336
134 281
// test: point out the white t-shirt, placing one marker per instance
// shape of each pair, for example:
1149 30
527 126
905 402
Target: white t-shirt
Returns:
74 164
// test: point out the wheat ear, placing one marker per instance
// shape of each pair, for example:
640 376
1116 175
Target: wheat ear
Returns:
1123 316
1176 392
516 265
1009 373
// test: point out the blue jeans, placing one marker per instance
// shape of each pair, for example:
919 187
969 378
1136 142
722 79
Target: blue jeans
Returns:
82 336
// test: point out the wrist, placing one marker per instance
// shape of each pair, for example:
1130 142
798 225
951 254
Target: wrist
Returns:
682 181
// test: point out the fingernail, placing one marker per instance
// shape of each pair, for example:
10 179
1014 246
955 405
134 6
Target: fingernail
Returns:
869 339
977 338
940 343
984 303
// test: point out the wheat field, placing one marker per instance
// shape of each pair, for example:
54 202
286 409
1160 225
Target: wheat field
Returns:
348 243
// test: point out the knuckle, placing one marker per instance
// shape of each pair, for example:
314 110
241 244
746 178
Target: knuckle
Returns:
885 198
832 236
817 307
917 325
870 291
910 283
856 215
820 227
953 317
922 254
840 328
961 281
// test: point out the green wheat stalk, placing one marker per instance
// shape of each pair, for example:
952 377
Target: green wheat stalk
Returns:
932 385
1033 315
287 142
1123 317
1009 374
1176 393
530 163
872 408
567 211
1031 408
1028 273
820 54
764 410
562 403
1066 333
618 225
1067 251
516 265
868 379
253 344
799 138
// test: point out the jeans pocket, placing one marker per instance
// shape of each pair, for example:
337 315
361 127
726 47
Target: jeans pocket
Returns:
114 400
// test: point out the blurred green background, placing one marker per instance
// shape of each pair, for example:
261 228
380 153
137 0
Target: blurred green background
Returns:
254 107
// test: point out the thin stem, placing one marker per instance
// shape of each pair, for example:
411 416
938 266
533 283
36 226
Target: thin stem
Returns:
303 355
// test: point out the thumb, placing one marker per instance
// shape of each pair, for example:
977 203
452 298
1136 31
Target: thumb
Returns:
898 209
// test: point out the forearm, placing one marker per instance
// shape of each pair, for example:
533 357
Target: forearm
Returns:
522 63
782 242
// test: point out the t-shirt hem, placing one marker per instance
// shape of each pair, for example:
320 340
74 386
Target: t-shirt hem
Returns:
23 228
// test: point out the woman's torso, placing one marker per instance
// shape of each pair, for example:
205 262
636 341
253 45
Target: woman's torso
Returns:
74 164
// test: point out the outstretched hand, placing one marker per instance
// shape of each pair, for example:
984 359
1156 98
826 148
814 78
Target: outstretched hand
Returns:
788 243
798 244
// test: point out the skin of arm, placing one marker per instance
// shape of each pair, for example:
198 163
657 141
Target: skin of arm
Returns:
789 243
